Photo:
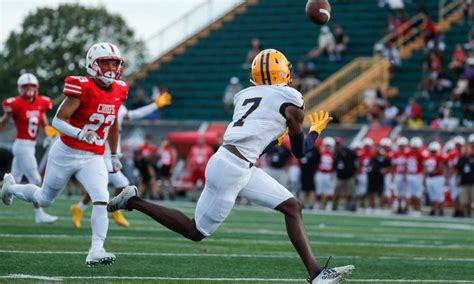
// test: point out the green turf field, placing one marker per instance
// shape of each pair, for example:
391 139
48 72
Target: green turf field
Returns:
251 247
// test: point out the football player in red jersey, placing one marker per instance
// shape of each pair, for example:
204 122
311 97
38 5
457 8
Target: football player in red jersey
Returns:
434 165
325 173
28 111
414 168
118 179
399 163
198 157
86 117
454 155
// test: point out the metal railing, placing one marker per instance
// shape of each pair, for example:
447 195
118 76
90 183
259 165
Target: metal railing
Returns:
407 33
343 91
446 8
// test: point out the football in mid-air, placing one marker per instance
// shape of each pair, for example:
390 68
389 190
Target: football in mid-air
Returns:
318 11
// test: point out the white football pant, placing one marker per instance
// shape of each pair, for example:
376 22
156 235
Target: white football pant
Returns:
415 185
24 161
401 187
228 176
63 162
325 183
435 188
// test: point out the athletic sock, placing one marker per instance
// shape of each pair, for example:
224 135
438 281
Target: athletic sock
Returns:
100 225
24 192
83 206
39 211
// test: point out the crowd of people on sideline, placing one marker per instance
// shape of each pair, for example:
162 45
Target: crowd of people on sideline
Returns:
387 177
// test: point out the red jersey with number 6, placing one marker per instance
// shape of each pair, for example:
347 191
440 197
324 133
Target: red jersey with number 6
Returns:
97 112
28 116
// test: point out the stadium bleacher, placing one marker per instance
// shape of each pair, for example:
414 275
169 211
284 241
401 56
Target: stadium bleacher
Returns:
197 77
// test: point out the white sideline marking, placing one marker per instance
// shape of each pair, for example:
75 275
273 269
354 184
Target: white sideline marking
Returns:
59 278
265 242
462 227
235 255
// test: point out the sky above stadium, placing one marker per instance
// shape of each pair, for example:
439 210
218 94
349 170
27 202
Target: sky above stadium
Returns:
145 17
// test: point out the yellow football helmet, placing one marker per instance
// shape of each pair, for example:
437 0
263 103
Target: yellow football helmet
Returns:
270 67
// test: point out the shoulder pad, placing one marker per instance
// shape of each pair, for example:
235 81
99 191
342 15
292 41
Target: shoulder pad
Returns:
74 85
123 88
8 104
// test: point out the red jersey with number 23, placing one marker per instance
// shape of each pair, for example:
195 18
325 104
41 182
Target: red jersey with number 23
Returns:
28 116
97 112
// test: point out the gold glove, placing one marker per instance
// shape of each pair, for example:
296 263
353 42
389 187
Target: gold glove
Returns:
319 122
163 100
50 131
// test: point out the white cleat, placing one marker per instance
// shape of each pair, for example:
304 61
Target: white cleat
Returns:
7 197
45 218
120 201
100 257
333 275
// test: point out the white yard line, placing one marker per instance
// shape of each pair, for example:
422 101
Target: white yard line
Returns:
252 241
234 255
205 279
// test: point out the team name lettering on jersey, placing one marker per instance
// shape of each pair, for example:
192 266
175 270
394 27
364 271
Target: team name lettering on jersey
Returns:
106 109
32 113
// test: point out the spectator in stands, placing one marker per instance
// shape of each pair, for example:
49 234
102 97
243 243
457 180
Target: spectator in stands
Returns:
413 114
197 160
397 7
278 158
232 88
390 52
432 68
458 59
346 167
437 46
430 29
167 158
308 79
465 169
255 48
326 43
461 90
444 120
469 46
145 162
342 40
469 69
390 114
468 12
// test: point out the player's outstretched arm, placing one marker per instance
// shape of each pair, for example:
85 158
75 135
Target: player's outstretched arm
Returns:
295 117
161 101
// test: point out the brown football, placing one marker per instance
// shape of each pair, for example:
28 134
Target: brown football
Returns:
318 11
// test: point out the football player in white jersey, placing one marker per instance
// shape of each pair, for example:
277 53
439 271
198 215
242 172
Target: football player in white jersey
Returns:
118 179
262 114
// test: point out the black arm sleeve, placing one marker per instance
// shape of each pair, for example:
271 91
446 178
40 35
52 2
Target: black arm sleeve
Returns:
300 146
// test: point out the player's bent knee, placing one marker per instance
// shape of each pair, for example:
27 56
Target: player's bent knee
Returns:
43 202
290 206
